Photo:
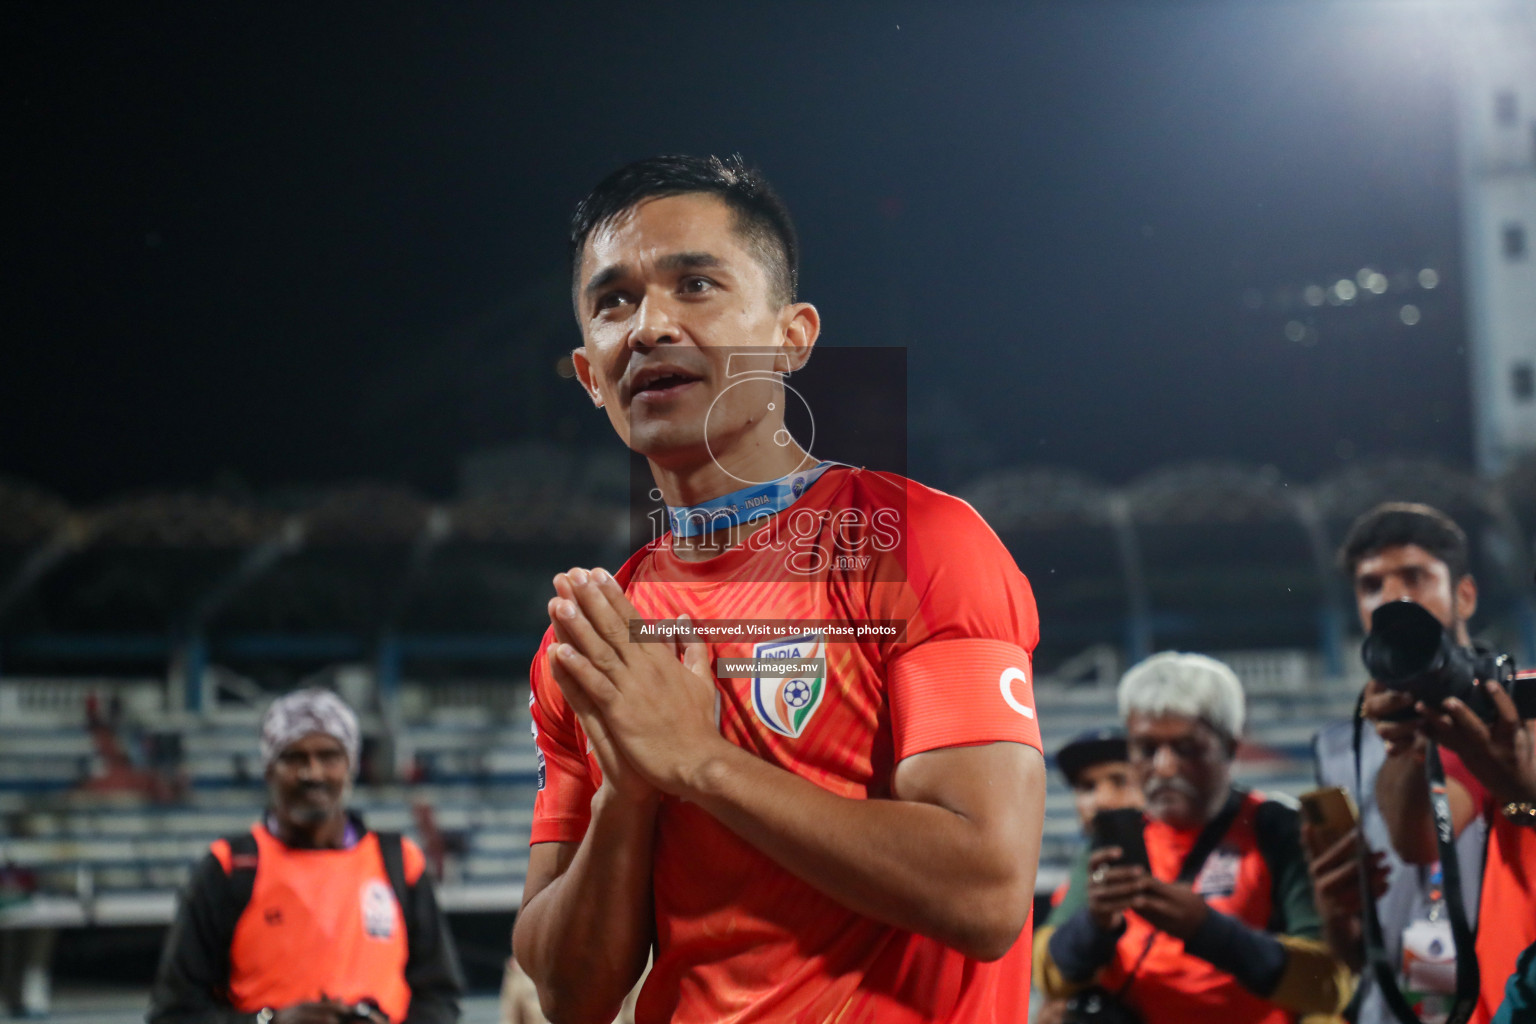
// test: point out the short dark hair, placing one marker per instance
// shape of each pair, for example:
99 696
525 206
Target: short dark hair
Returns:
1094 747
760 215
1398 523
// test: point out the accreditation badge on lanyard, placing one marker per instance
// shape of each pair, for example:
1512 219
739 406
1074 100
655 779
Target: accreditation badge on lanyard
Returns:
1429 958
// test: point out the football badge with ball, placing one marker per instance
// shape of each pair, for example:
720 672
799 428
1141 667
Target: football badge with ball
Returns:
785 704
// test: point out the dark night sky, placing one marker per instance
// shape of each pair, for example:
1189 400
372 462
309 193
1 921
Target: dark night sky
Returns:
298 242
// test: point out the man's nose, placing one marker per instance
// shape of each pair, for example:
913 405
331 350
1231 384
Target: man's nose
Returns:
1165 762
655 322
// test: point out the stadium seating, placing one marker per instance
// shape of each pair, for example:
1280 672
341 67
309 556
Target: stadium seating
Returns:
478 780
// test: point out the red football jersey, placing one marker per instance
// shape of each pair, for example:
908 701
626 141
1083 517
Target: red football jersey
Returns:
1507 909
738 938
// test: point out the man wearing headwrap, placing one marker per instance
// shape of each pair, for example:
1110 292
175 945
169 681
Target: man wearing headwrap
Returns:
310 917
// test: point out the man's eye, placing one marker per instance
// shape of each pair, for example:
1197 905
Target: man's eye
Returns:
695 285
611 300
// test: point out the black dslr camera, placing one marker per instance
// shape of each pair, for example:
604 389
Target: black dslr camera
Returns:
1410 651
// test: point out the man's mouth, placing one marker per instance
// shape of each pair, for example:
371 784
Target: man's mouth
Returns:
659 385
1173 787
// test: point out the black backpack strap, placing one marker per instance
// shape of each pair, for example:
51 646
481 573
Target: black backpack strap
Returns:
243 853
1214 832
392 850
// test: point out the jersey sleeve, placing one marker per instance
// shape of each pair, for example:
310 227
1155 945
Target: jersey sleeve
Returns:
963 675
562 808
1456 769
192 980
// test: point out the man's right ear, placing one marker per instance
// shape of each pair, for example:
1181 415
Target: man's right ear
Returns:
584 374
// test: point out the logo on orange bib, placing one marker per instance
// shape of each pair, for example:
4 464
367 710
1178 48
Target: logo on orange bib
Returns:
378 903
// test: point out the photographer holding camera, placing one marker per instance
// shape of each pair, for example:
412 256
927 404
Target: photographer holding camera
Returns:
1393 552
1201 910
1462 705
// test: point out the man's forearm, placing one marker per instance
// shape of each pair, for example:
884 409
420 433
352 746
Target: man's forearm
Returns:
908 863
584 938
1080 947
1403 797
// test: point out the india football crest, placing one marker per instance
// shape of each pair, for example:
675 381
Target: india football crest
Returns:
785 704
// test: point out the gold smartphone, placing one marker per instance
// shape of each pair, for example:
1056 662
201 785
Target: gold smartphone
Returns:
1330 814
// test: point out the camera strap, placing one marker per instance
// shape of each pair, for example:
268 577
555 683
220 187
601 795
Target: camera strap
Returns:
1213 832
1381 967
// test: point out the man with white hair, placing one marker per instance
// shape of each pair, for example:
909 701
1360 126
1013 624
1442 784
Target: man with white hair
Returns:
1219 924
310 917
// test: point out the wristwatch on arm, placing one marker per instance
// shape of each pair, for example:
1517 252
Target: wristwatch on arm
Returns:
1520 812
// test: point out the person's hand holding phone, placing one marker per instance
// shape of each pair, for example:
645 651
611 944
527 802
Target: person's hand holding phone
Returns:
1171 907
1112 887
1118 869
1335 874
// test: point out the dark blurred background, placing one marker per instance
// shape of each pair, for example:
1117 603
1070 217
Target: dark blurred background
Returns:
261 244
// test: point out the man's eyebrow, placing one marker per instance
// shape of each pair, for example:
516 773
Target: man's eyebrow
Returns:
604 277
689 261
671 261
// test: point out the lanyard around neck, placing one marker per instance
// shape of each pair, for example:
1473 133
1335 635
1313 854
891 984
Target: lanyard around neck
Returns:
743 506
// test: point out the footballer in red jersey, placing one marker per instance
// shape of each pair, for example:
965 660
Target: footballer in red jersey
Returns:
834 819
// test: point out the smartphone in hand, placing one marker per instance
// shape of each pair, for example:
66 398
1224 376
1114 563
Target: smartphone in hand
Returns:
1330 814
1121 827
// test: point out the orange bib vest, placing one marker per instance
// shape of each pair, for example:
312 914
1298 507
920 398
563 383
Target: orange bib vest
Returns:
320 924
